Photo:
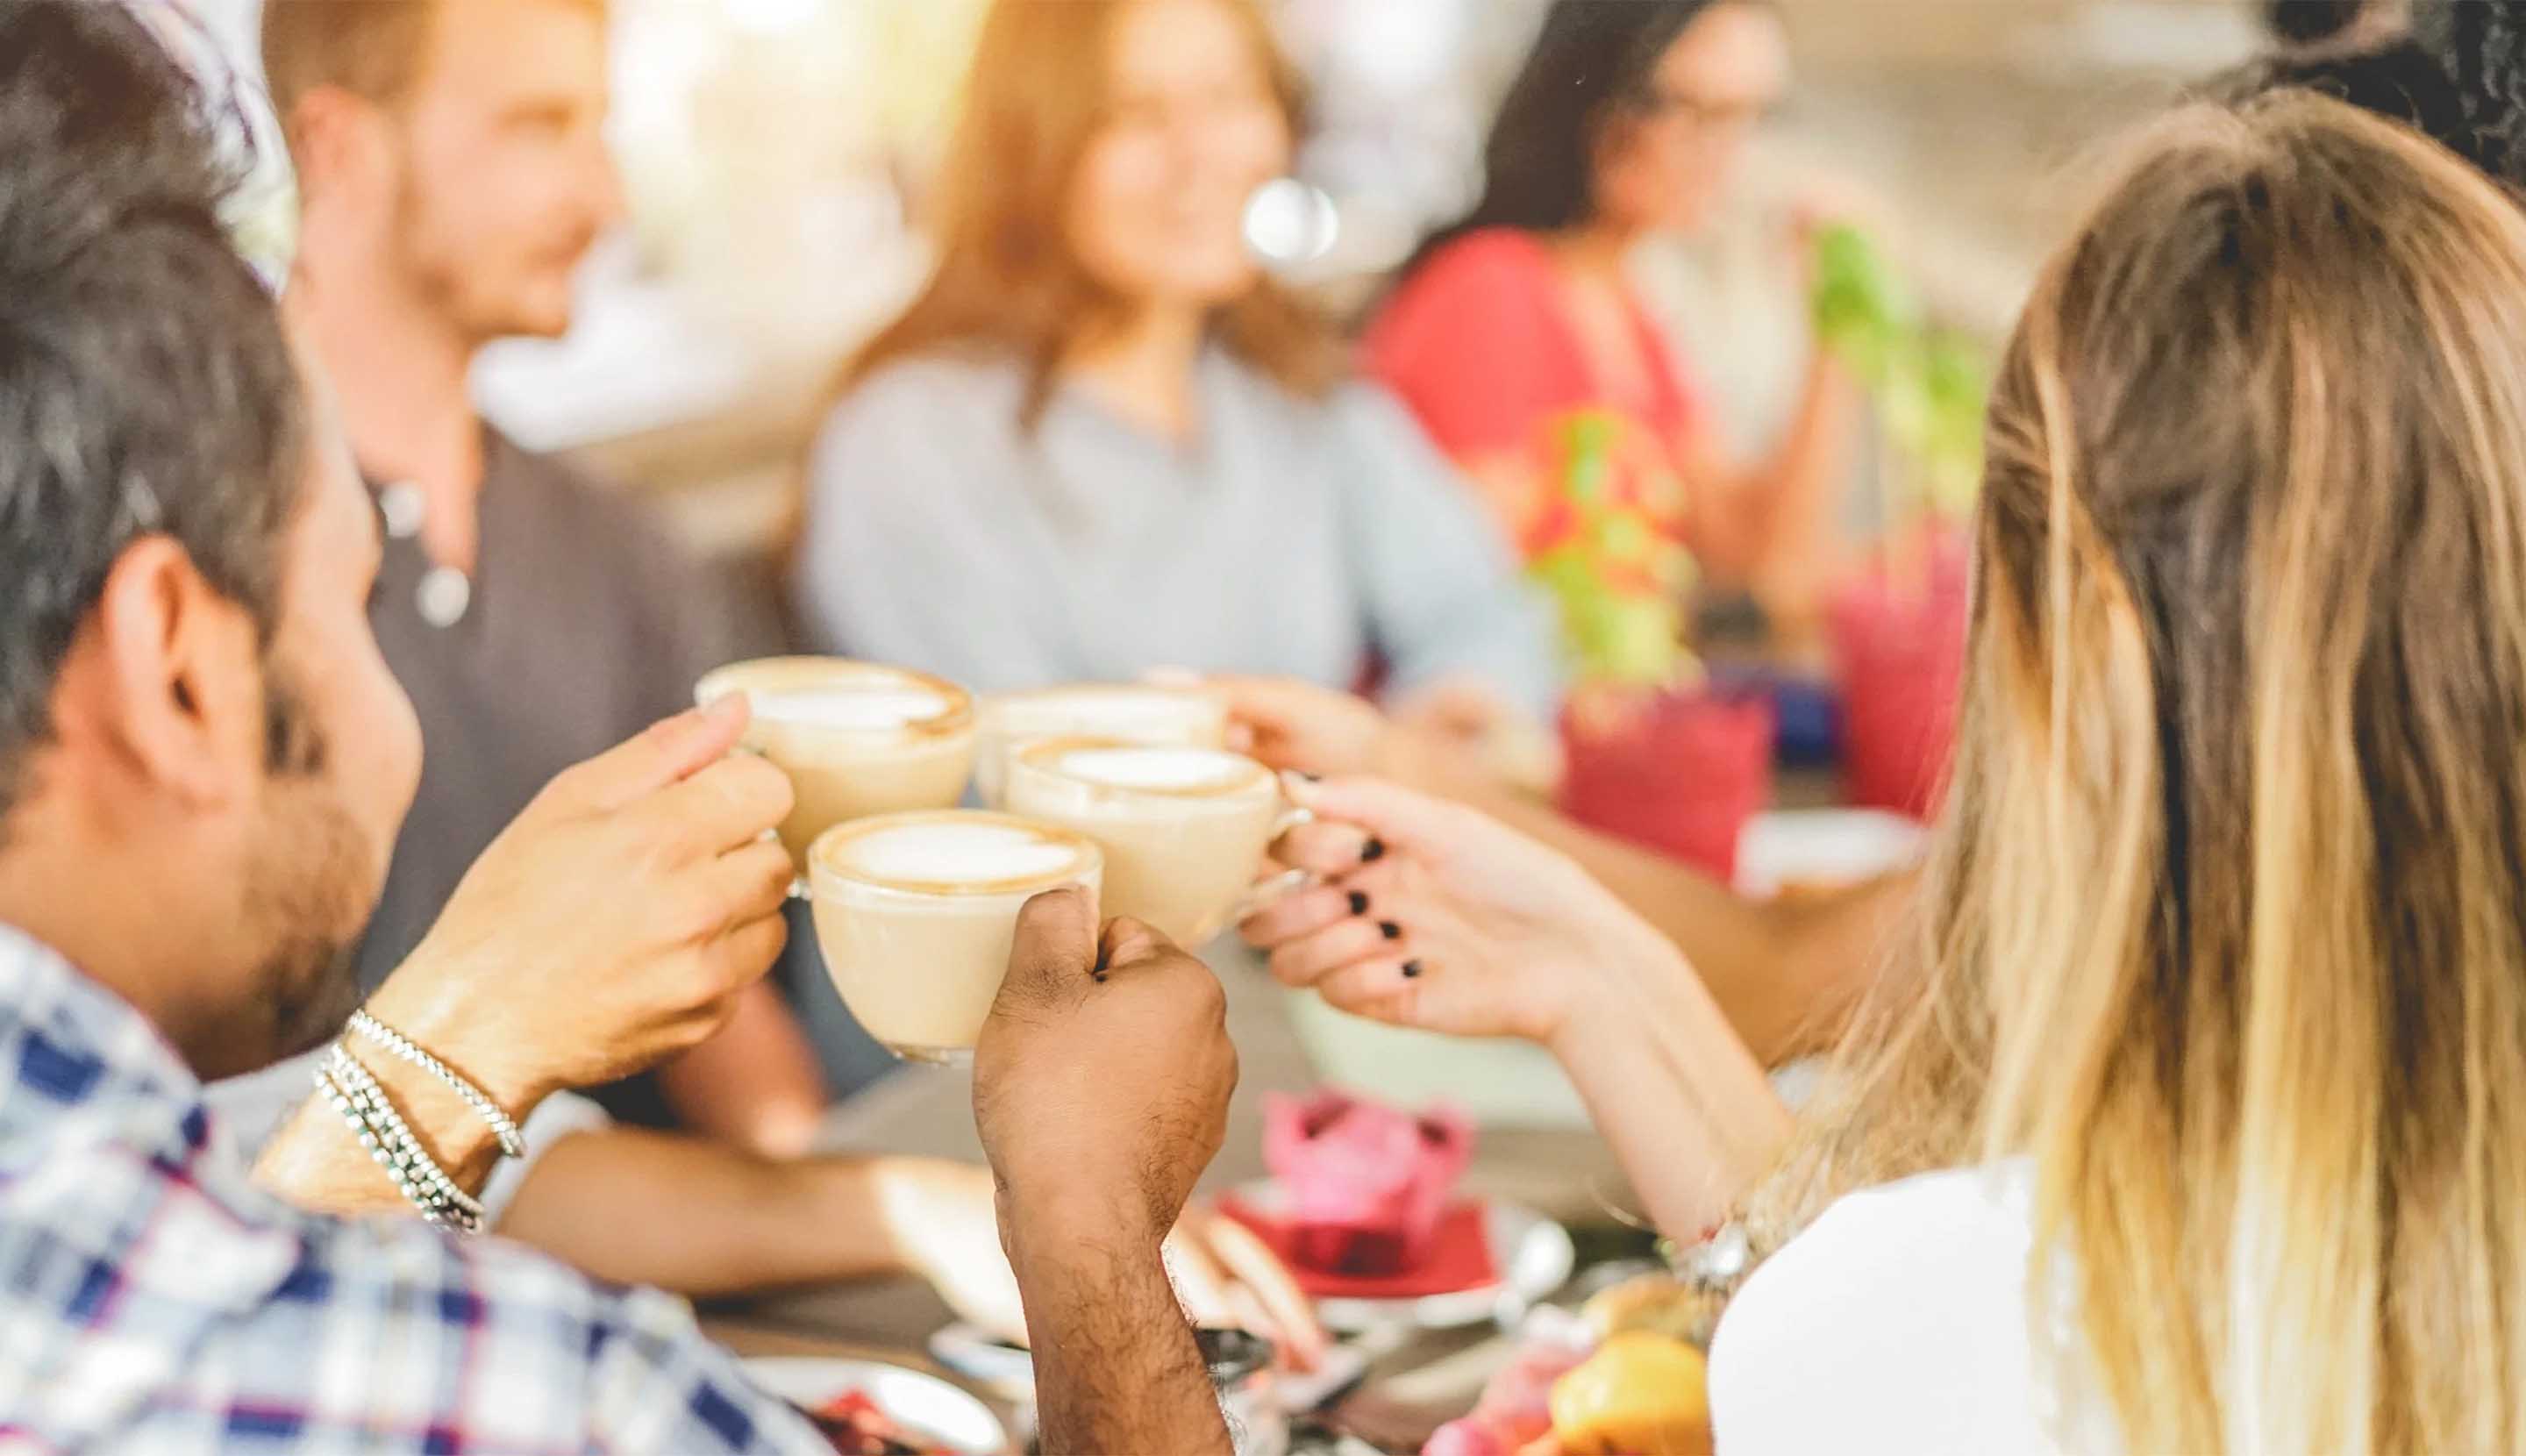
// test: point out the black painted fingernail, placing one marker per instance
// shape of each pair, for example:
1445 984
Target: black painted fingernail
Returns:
1389 929
1373 851
1411 969
1097 974
1358 903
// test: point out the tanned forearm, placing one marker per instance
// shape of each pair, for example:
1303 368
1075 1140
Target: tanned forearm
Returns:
703 1218
1116 1368
315 1161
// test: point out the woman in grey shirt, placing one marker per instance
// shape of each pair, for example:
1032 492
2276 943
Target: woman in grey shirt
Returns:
1103 442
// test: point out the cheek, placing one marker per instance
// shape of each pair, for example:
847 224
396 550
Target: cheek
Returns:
1108 205
375 734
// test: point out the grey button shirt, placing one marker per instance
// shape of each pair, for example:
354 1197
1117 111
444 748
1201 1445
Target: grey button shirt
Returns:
583 625
1294 537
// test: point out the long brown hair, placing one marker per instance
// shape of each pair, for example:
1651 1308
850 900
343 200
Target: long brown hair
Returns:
2227 924
1007 284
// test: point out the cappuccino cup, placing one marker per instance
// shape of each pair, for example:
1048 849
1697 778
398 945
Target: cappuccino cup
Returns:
1185 830
855 738
1128 713
916 915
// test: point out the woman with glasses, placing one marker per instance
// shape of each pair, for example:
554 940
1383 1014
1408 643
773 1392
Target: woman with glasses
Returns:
1628 121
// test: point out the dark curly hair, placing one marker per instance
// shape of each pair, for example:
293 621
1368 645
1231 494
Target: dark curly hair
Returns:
2459 78
2481 46
2310 22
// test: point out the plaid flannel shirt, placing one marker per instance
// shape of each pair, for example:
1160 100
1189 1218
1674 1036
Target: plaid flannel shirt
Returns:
152 1299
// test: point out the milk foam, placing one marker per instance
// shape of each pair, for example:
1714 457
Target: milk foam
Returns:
954 853
871 707
1156 767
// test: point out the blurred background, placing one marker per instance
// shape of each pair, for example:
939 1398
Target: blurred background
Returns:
776 153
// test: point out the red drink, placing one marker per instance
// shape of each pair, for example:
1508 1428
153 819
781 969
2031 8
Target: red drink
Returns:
1681 772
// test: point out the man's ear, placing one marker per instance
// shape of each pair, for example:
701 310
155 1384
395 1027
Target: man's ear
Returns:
336 143
165 677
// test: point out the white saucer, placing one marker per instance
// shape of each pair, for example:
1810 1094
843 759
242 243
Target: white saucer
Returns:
1534 1254
934 1410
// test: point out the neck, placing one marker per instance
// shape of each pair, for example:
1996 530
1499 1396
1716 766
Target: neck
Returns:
398 368
1142 368
57 884
1595 249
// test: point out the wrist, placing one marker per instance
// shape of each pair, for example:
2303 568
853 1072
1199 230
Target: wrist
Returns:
447 1127
482 1049
1062 1220
1601 993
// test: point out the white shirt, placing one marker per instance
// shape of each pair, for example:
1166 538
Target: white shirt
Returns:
1898 1322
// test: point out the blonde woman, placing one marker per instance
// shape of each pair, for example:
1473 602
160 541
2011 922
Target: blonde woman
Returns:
2204 1134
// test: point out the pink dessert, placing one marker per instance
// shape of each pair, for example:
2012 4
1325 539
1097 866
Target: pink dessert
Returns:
1365 1184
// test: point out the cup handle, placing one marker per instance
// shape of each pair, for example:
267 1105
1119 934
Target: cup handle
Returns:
1264 892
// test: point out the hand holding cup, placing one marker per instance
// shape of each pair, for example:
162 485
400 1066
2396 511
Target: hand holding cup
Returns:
613 923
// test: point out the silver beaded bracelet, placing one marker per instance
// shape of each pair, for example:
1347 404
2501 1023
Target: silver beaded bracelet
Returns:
389 1140
513 1142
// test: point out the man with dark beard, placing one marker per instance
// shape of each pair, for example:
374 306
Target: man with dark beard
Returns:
203 760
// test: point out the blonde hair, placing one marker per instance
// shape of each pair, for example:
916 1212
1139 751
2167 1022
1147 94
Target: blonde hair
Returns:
2227 924
1007 282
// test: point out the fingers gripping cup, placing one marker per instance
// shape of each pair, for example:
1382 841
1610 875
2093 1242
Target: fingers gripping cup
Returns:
1127 712
916 915
1185 831
855 738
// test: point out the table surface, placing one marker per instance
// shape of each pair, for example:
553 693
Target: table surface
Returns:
1414 1382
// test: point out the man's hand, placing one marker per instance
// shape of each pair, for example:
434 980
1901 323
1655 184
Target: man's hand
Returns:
1101 1085
1104 1071
613 925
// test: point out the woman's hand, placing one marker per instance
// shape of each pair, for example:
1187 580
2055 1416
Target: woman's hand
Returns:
1437 917
1455 740
1294 725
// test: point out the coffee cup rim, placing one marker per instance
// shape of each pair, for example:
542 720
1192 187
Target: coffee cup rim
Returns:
957 718
821 865
1031 759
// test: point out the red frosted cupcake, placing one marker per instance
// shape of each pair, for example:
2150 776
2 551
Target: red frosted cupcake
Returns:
1365 1184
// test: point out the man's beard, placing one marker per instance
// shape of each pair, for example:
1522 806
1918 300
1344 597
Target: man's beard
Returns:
447 284
309 878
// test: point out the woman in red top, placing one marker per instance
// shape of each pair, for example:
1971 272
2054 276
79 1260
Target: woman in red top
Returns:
1626 121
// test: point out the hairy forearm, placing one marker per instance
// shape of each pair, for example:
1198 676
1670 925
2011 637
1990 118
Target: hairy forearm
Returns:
705 1220
1116 1366
315 1161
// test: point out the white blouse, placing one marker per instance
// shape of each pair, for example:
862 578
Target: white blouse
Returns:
1898 1322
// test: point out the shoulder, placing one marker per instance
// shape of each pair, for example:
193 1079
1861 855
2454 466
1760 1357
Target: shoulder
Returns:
1491 259
1476 307
535 1354
1908 1306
